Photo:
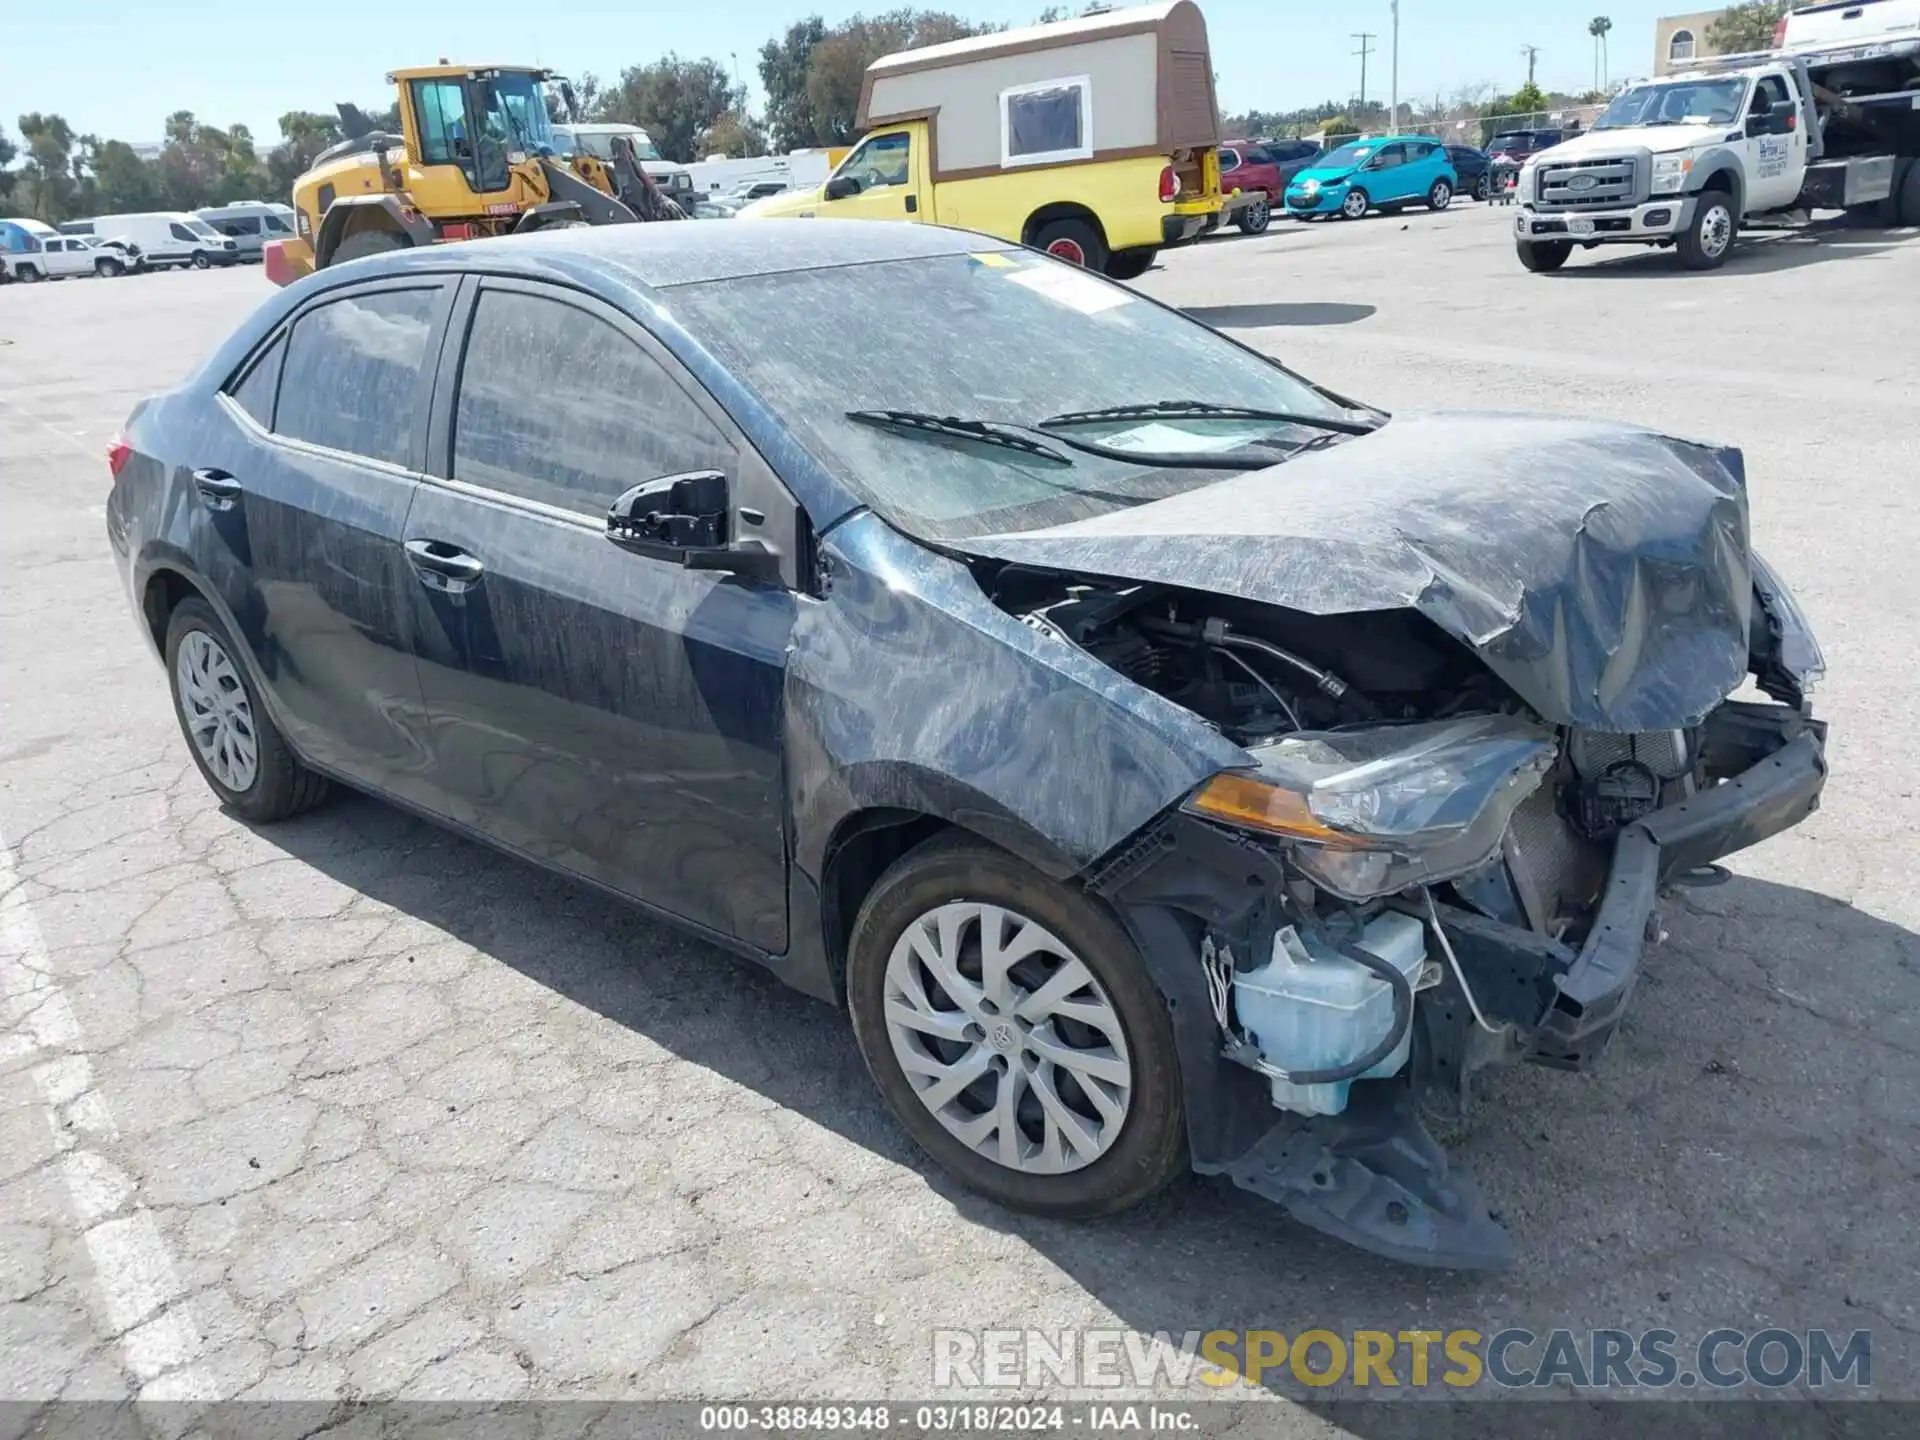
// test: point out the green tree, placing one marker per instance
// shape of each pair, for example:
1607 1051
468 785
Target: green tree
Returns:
46 178
838 64
783 75
303 135
1745 27
674 101
121 181
1598 28
732 135
8 151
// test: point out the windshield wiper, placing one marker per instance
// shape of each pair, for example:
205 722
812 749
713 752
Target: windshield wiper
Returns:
1203 410
919 422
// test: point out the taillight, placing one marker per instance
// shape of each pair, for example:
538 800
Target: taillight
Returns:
1780 32
118 453
1169 185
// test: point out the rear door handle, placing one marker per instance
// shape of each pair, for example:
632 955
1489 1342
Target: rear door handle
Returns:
443 566
219 489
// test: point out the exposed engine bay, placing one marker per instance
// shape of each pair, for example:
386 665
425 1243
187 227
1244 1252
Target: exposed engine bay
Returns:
1418 875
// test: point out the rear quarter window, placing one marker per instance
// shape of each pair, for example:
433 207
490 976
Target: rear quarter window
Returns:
253 389
352 370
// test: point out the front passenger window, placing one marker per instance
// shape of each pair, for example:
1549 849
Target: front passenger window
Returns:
352 373
557 405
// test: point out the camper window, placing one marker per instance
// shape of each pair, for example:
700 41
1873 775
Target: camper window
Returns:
1047 122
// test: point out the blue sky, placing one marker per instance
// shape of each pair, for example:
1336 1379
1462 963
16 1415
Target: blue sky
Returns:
117 69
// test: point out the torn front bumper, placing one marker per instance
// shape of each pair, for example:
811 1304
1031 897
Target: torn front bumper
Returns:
1373 1175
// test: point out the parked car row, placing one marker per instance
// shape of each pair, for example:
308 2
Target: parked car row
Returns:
1298 178
113 245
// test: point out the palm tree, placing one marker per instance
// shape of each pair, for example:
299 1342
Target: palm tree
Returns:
1598 28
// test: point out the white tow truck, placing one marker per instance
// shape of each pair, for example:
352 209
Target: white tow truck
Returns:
1827 120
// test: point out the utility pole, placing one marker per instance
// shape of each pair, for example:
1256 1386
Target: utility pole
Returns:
1532 52
1366 49
1393 105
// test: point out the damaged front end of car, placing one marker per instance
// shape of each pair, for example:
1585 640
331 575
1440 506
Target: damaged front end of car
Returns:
1463 798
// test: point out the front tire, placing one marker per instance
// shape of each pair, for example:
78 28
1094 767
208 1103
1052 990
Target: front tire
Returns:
1543 256
1355 205
200 260
1708 240
1074 241
109 269
1012 1028
237 747
1440 196
1255 218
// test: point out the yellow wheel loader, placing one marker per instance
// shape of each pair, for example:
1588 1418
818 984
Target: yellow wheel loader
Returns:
476 156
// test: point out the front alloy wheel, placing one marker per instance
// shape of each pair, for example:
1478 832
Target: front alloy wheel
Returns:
1007 1038
1013 1029
1355 205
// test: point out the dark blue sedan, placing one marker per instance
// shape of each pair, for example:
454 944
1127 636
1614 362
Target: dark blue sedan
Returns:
1166 760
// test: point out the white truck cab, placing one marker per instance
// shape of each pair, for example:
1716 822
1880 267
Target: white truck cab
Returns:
1824 122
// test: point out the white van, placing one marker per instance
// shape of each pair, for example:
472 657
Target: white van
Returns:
169 237
250 224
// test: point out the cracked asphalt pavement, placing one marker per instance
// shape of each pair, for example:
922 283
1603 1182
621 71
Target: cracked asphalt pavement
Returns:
348 1107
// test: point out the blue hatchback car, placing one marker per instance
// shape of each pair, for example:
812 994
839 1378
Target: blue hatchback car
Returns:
1381 174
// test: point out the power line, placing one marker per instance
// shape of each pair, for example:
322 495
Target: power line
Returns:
1365 37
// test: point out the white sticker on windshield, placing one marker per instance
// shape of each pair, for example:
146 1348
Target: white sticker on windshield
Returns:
1070 288
1158 438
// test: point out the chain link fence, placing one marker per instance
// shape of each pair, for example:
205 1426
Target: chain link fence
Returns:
1466 126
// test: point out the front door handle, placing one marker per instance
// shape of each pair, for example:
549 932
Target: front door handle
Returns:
219 489
443 566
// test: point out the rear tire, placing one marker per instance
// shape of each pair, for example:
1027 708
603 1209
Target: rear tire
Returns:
1440 196
368 242
1074 241
1254 219
1131 264
1117 1162
1483 189
29 274
1543 256
1706 243
220 700
1907 196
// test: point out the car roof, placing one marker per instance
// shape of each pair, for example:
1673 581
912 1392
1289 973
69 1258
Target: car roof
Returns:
667 253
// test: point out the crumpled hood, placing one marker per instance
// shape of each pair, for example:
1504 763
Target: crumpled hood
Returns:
1600 570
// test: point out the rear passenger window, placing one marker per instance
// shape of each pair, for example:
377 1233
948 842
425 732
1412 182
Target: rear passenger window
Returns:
606 416
352 373
254 390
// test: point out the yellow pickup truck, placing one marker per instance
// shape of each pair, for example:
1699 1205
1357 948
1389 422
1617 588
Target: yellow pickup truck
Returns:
1093 138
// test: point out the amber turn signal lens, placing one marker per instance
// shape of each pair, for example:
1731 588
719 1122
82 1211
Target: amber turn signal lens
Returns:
1242 800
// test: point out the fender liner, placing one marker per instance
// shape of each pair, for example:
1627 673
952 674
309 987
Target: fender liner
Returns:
401 216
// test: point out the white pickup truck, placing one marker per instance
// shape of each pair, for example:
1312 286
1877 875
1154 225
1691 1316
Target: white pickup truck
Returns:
1827 120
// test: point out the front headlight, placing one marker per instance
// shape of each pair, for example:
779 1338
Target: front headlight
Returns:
1799 652
1375 810
1311 187
1670 172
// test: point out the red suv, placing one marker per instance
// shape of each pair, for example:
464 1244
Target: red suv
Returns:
1263 166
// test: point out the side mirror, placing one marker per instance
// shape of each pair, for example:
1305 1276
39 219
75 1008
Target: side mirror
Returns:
684 518
841 186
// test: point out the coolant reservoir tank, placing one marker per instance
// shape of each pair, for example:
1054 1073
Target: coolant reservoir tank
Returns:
1311 1008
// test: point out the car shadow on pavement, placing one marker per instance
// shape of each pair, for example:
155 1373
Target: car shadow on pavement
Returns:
1753 254
1260 317
1742 1151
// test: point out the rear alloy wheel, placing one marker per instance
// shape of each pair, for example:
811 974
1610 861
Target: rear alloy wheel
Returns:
235 744
1440 196
1253 219
1073 241
1355 206
1543 256
1012 1028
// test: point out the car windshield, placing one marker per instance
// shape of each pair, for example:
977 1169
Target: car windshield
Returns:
1346 157
1008 338
514 110
1679 102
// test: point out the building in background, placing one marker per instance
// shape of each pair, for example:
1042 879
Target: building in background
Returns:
1679 40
